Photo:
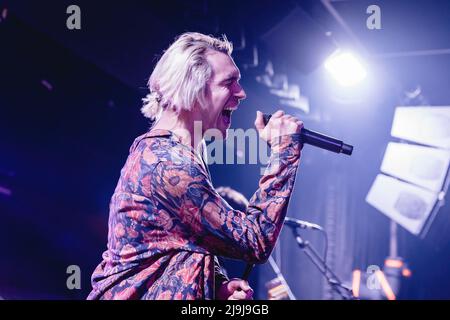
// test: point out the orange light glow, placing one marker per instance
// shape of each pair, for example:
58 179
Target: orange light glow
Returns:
356 281
392 263
406 273
385 285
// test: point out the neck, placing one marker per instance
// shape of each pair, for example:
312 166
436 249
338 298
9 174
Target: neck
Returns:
182 125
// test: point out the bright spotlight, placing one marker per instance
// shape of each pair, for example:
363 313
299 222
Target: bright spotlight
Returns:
345 68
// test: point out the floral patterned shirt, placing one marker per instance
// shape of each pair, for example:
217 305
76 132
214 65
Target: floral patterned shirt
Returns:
167 223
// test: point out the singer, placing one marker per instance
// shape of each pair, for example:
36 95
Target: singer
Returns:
167 223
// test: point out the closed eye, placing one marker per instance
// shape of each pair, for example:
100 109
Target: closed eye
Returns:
231 80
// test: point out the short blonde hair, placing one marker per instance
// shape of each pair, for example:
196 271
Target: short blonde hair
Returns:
179 78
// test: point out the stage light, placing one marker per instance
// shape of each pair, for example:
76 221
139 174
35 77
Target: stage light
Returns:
345 68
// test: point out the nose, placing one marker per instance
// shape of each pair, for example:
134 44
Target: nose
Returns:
240 93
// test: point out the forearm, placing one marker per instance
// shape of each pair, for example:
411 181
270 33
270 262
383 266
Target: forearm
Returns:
255 233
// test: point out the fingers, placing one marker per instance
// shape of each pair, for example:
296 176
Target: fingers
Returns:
278 114
240 289
280 124
238 284
241 295
259 122
289 117
293 119
238 295
249 294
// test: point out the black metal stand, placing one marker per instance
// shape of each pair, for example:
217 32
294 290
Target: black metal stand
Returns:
332 279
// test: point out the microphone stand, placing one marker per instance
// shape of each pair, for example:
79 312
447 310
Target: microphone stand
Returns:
330 276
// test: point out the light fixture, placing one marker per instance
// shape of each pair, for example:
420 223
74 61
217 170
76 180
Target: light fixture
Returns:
345 68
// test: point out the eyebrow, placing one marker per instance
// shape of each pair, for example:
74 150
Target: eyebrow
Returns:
232 77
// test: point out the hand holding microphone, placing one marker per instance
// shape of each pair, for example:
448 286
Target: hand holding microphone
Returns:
280 124
308 136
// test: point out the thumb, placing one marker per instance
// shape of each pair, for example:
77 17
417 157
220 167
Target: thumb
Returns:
259 122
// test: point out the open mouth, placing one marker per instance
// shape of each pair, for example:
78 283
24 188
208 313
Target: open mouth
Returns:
226 116
227 113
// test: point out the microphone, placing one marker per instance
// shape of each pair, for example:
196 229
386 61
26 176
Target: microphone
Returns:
295 223
320 140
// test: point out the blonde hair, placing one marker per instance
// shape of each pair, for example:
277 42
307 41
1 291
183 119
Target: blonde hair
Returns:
180 76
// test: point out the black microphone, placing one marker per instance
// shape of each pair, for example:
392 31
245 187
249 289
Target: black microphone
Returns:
320 140
295 223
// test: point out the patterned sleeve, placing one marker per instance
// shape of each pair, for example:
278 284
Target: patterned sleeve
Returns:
185 188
